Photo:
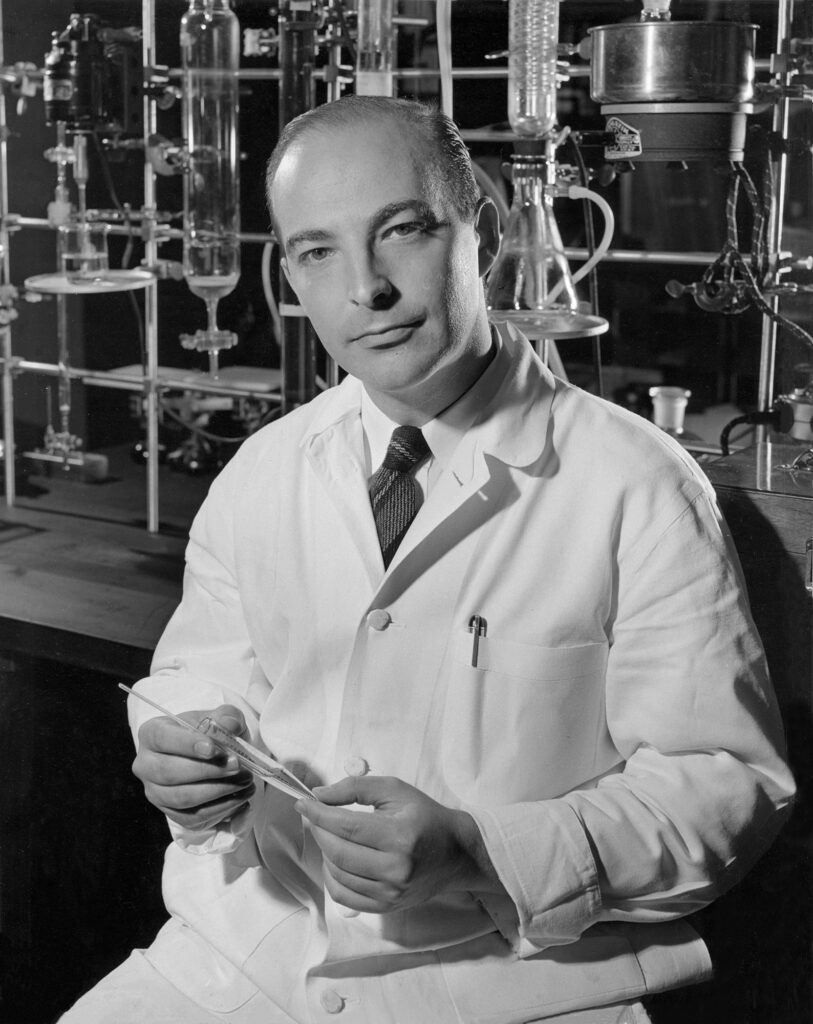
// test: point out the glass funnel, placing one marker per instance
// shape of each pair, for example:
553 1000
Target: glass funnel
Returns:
530 283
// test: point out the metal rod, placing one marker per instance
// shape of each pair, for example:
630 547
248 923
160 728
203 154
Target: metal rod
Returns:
131 382
5 277
162 233
612 255
335 89
151 295
781 117
497 72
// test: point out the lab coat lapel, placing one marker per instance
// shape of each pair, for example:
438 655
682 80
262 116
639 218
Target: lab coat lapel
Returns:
451 492
334 448
512 433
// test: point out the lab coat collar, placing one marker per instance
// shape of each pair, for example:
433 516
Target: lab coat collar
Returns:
512 426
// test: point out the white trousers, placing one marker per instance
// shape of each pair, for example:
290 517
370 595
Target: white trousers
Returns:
135 993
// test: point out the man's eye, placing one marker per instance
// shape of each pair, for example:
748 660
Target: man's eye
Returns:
412 227
317 255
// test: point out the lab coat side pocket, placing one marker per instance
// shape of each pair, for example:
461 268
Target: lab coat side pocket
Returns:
522 724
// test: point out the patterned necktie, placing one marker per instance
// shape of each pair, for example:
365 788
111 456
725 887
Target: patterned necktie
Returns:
393 491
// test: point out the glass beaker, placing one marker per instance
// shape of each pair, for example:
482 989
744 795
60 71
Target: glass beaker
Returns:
530 284
83 251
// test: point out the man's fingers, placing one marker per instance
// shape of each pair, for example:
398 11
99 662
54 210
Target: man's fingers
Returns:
172 770
201 800
166 736
199 794
373 790
343 792
355 859
358 894
209 815
358 827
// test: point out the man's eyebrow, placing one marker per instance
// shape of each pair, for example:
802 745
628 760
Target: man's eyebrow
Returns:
299 237
418 206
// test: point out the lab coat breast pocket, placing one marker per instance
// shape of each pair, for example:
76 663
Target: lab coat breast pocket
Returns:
526 723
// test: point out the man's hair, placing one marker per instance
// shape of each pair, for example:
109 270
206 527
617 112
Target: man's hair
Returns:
449 159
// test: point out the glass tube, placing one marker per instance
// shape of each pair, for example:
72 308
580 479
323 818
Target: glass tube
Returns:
533 36
210 53
374 48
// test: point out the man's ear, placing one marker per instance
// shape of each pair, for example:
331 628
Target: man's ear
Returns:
487 226
284 264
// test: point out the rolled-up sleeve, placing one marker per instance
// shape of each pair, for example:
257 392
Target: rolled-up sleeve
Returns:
703 784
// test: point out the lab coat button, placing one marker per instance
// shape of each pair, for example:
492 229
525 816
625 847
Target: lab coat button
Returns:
356 766
379 619
331 1001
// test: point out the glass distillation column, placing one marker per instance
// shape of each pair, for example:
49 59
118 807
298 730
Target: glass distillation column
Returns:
297 25
531 284
210 54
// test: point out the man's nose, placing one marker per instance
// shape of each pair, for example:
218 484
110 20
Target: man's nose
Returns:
368 283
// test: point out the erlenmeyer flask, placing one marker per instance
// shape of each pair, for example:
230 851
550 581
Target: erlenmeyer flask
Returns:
530 284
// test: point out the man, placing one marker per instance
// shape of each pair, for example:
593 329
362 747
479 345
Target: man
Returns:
537 718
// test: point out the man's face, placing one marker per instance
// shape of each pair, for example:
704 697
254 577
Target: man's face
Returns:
383 266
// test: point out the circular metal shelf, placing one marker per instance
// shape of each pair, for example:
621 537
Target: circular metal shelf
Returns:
110 281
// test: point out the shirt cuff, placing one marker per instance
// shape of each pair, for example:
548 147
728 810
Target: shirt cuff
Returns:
542 857
222 838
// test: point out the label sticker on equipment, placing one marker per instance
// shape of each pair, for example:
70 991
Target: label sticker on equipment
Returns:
627 140
57 89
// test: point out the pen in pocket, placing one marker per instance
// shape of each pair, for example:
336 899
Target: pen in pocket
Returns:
477 628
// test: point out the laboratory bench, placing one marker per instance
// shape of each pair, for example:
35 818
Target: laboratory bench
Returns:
85 592
766 971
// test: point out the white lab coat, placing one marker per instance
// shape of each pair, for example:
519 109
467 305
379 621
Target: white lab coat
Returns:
617 742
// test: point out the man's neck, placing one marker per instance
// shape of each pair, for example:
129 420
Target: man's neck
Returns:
431 398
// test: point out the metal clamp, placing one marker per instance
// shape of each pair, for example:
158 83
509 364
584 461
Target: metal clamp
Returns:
809 572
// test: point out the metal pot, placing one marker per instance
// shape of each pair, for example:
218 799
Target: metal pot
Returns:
673 62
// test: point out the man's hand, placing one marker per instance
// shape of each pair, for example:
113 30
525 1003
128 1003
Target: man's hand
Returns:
409 849
188 777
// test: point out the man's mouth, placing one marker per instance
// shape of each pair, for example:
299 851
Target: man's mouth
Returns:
388 334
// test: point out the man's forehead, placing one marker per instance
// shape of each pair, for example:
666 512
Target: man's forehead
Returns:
359 169
360 144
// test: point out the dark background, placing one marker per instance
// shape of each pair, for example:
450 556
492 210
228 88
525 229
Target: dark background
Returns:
80 850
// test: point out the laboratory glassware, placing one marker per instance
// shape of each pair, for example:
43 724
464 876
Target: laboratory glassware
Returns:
533 35
83 251
374 48
669 407
261 765
210 54
530 284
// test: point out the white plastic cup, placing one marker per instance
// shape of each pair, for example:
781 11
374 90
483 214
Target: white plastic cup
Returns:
669 407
